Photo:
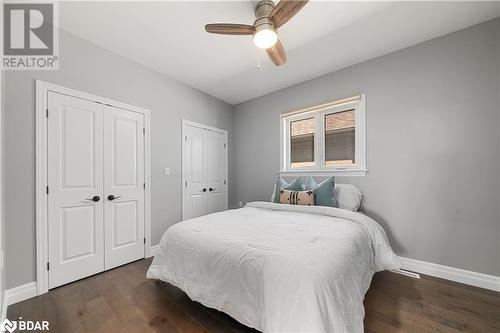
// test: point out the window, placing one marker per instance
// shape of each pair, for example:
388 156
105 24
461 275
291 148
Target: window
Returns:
326 139
302 143
340 138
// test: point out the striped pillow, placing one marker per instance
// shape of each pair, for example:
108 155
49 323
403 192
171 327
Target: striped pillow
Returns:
305 198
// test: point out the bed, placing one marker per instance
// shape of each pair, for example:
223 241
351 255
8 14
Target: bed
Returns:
278 268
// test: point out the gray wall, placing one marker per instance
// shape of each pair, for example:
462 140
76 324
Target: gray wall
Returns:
433 145
89 68
498 97
2 186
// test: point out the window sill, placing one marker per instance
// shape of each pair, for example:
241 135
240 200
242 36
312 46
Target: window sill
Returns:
324 173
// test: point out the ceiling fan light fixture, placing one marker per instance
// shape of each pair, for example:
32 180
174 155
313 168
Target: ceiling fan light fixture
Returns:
265 38
269 17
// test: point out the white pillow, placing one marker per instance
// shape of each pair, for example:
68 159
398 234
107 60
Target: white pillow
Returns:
348 196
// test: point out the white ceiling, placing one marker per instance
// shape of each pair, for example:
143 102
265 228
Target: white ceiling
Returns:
325 36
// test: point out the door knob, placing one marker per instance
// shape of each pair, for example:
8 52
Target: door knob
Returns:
211 189
111 197
95 198
204 190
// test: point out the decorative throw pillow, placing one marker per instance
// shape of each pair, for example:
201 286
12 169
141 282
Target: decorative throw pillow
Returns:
304 198
324 194
295 185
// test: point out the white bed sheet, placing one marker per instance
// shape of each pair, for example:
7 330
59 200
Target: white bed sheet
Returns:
278 268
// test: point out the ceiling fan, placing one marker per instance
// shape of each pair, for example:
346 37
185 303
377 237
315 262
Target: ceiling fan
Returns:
265 28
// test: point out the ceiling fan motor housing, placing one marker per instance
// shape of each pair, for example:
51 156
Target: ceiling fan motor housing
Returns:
262 11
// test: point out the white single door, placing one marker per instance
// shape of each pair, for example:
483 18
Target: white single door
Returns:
123 186
204 171
75 185
216 164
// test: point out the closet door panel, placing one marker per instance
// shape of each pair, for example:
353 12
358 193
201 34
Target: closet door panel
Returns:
194 160
75 181
215 169
123 186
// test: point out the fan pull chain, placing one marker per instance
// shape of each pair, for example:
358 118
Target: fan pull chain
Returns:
258 60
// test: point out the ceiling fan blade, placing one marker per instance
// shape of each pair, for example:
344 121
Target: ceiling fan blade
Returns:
229 29
277 53
285 10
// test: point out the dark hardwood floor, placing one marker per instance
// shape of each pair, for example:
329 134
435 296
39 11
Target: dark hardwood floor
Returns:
123 300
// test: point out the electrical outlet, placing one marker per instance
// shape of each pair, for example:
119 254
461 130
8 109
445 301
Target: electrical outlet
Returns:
240 204
167 172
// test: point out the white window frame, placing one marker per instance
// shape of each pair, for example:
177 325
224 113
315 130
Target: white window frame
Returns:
318 113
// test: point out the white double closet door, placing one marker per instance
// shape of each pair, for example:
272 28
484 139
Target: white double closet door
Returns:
204 168
96 193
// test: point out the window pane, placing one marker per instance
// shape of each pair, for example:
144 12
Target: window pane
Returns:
302 143
339 138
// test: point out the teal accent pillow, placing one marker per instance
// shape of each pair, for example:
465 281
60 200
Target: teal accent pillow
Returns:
295 185
324 194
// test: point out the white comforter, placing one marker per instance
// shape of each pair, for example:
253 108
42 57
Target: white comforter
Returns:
278 268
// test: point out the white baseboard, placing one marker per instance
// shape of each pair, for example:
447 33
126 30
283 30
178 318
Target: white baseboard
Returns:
29 290
4 310
153 250
450 273
19 294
